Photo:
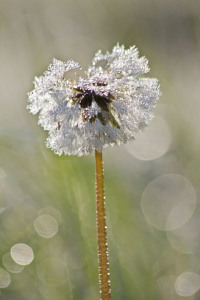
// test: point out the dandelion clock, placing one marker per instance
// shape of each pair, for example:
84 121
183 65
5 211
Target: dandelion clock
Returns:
105 107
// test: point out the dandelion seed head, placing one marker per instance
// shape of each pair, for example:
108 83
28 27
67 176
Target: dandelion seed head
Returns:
104 108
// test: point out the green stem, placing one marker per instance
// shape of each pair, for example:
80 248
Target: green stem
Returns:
104 276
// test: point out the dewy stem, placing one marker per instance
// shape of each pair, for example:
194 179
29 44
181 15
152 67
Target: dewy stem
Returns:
104 276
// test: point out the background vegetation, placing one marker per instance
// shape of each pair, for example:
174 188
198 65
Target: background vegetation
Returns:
47 203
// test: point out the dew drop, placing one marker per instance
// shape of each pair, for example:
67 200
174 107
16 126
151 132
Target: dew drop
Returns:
22 254
10 264
168 202
187 284
46 226
153 143
5 279
186 239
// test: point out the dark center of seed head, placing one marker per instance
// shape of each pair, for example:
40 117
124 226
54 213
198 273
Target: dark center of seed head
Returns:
86 98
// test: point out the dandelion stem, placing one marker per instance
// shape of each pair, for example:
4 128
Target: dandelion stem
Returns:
104 277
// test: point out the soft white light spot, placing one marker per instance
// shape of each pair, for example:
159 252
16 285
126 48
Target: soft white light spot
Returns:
153 142
52 211
5 279
46 226
53 272
187 284
168 202
22 254
10 265
186 239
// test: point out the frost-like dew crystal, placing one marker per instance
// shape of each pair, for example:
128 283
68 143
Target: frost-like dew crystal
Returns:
106 107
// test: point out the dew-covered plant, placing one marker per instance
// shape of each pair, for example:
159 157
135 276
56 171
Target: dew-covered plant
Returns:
105 107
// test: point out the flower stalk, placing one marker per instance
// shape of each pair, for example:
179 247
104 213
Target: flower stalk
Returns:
104 276
103 108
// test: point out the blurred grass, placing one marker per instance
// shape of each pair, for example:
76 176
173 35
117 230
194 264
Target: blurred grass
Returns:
34 181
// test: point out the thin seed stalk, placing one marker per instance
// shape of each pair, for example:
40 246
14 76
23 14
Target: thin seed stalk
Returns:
104 276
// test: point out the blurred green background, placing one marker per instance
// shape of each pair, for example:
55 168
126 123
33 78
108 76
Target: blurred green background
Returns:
48 246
